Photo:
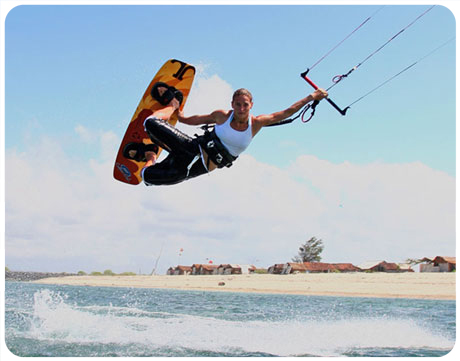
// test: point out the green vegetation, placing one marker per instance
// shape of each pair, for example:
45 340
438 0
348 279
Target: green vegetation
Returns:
261 271
107 272
310 251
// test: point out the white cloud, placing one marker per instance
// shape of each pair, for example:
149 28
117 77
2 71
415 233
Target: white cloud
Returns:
209 93
67 216
109 141
398 210
106 140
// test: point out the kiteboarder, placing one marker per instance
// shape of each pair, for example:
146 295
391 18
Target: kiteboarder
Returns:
193 156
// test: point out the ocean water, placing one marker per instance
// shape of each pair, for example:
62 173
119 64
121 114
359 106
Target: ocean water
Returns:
44 320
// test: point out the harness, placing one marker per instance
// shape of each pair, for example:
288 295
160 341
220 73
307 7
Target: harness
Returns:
216 151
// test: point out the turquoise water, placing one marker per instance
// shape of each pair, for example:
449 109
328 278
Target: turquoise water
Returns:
44 320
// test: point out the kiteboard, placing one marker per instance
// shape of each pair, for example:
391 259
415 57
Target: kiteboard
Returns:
174 73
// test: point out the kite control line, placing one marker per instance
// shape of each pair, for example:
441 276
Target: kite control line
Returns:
402 71
338 78
343 40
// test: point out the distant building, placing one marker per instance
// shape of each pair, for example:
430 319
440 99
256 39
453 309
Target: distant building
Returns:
318 267
196 269
183 270
235 269
438 264
221 269
380 266
276 269
294 267
370 265
346 267
208 269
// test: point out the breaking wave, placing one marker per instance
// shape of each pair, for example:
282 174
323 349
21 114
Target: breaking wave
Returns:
55 319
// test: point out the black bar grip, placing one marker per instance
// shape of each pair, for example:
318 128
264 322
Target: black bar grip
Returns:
309 81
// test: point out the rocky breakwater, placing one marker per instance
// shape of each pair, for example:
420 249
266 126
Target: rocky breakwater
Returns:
32 276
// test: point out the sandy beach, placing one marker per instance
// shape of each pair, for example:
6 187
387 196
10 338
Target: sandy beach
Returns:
388 285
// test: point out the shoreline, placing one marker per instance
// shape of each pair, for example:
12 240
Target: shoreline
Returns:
434 286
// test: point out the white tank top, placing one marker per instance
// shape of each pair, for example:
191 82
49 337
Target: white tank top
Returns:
234 140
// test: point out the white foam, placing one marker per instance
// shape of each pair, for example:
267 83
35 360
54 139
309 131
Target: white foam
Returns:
54 319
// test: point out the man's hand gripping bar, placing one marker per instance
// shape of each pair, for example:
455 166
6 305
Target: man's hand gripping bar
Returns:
309 81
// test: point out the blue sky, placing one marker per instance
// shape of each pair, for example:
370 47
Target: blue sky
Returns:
89 65
74 76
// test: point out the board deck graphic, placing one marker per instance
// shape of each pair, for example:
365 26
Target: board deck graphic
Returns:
175 73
